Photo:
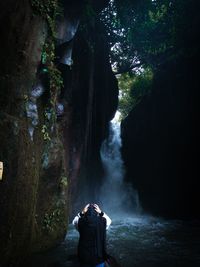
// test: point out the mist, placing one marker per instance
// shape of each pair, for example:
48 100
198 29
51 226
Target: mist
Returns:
116 196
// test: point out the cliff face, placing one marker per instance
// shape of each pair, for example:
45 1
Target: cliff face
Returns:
45 151
160 141
95 94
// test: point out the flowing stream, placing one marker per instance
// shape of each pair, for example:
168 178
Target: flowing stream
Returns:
134 239
141 241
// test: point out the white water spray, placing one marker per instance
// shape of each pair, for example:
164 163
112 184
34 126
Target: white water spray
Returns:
116 195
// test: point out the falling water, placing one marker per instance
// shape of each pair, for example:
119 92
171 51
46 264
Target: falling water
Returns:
133 239
116 195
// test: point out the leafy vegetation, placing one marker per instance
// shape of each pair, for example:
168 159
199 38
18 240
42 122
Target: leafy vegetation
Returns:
50 10
148 34
63 181
51 220
133 87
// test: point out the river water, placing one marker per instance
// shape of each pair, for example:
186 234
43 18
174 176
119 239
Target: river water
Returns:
136 241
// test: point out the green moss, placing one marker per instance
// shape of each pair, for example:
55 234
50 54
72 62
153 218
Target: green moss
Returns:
52 219
45 133
50 10
55 77
63 181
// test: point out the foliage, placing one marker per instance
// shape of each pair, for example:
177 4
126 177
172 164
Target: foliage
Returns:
149 34
133 87
45 132
117 38
126 102
51 220
50 10
148 31
63 181
55 78
132 27
142 84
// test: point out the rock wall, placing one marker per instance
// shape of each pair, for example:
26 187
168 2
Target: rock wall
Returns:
91 93
95 94
22 38
161 143
43 162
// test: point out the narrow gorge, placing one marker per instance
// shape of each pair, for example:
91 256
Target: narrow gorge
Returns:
67 69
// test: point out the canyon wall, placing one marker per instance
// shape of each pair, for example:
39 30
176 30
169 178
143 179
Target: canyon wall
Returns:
161 141
49 138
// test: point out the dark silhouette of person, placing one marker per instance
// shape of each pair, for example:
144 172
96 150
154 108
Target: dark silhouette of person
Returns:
92 224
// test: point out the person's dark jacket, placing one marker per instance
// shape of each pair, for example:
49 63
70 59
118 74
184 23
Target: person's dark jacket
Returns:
92 241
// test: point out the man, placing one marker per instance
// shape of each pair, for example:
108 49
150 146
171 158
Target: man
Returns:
92 224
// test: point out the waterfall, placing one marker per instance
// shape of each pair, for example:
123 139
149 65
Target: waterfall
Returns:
116 195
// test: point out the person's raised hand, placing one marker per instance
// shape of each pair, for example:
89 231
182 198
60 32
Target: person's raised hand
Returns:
97 209
85 208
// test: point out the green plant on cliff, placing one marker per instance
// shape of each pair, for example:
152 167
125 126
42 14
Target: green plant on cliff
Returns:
133 87
50 10
51 220
55 77
125 82
45 132
63 181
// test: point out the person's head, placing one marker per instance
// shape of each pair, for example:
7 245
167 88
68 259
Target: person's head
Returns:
91 211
